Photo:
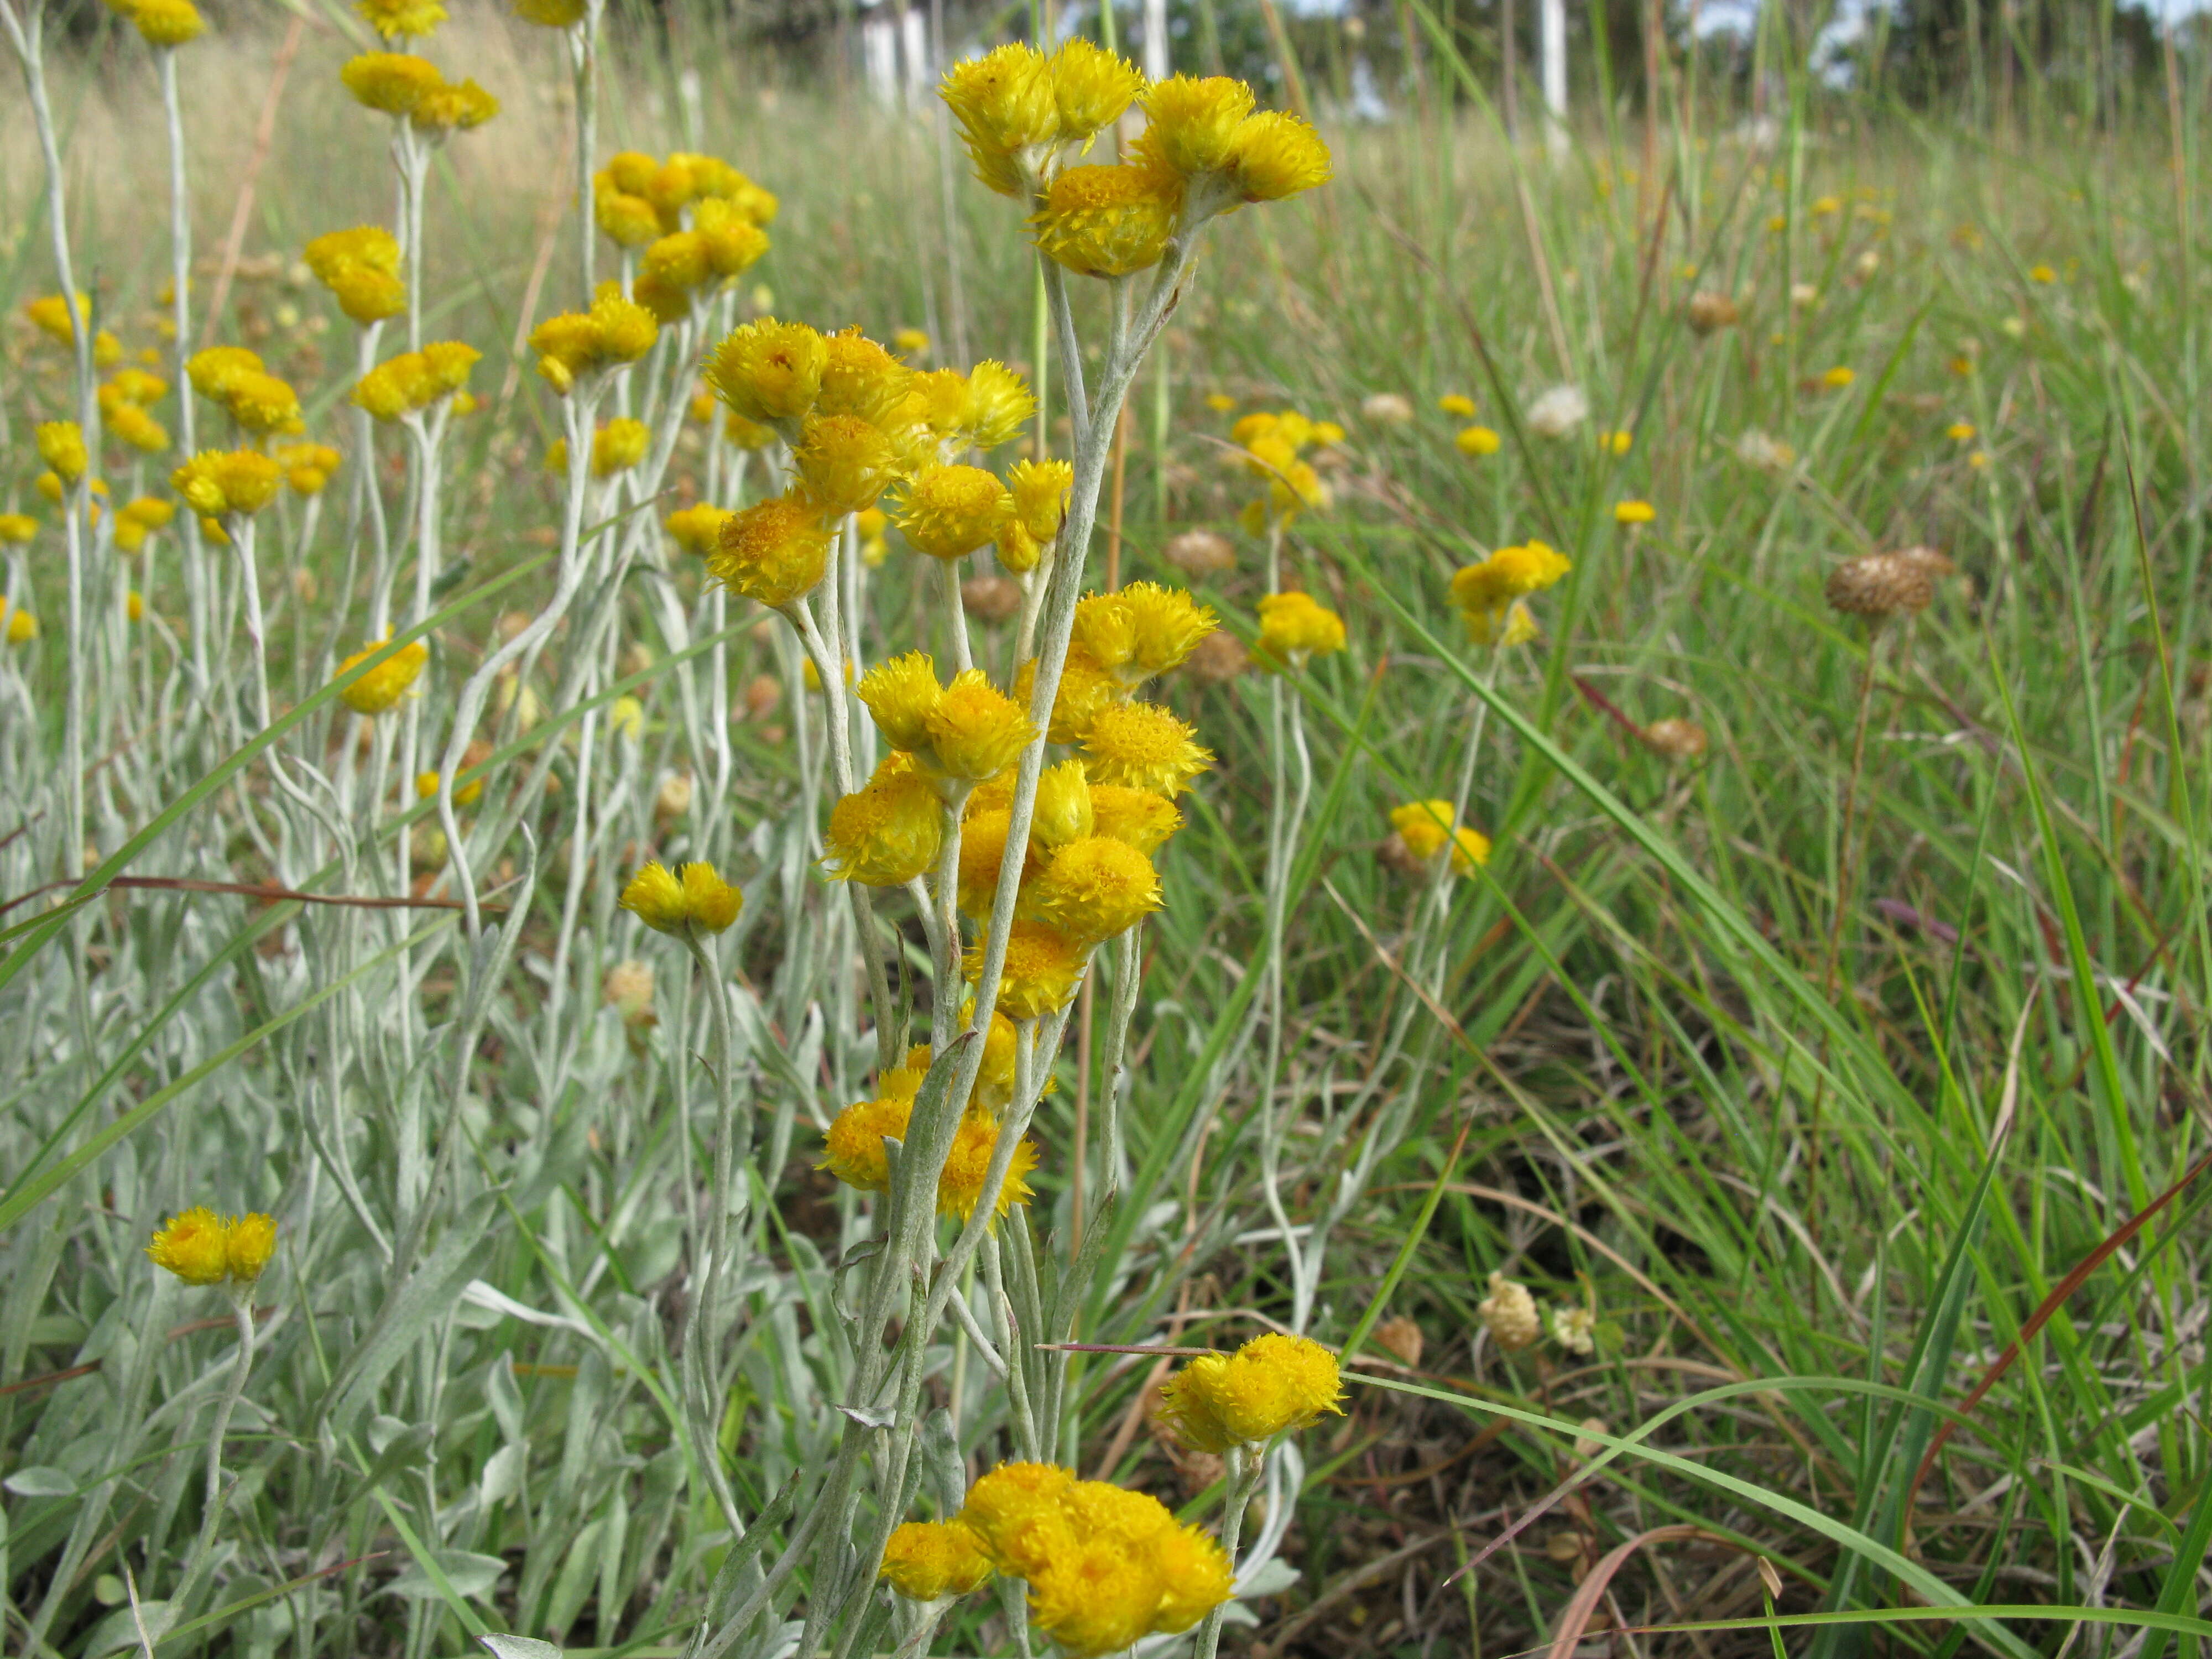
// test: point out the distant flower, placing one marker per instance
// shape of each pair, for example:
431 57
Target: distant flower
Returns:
1559 411
1839 377
1454 403
2041 274
1960 432
1475 441
1633 513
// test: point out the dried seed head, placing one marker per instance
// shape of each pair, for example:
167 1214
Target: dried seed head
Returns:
674 799
1677 740
629 990
1216 658
1200 552
1709 312
1391 853
1878 585
991 598
1387 409
763 692
1937 565
1510 1314
1401 1338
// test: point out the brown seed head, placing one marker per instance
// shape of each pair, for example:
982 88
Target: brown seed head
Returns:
1708 311
1217 658
762 693
1200 552
991 598
1677 740
1401 1338
1878 585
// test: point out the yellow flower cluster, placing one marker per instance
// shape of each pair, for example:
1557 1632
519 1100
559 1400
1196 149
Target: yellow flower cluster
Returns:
162 22
1105 1566
698 529
412 89
1273 444
960 733
202 1248
928 1560
308 467
239 383
17 529
218 483
140 519
123 411
854 1150
1203 151
50 313
61 447
383 686
616 447
361 268
637 200
21 626
1295 627
1489 594
1425 826
411 382
616 330
401 20
698 897
1274 1384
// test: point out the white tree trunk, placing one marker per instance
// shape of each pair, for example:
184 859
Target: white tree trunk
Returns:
1552 22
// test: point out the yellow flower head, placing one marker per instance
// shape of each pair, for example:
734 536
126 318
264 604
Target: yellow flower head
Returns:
1041 490
167 23
697 530
1476 442
194 1246
132 385
996 404
1839 377
452 107
617 329
1140 630
61 447
1294 626
843 462
466 794
859 377
853 1149
1042 965
550 14
1194 123
134 604
629 220
216 483
733 241
1272 1384
263 404
1062 811
391 82
1007 109
1457 403
1508 574
412 381
308 467
51 312
1141 745
1195 1577
1272 156
1096 887
248 1243
769 371
710 903
900 693
924 1561
619 446
910 343
1634 512
1085 688
212 371
17 528
950 511
384 685
1108 220
1137 816
973 730
1017 1510
888 831
131 424
960 1185
1090 88
1098 1596
983 851
1960 432
667 903
22 626
773 551
397 20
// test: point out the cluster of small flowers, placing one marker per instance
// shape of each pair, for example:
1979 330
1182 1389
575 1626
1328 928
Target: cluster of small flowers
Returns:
1426 828
412 90
853 1149
1203 151
50 313
1105 1566
699 221
202 1248
1491 594
1274 1384
1272 444
361 268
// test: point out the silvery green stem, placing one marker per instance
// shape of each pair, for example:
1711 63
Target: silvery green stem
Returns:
180 318
702 1330
1128 965
584 60
1244 1471
215 1498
